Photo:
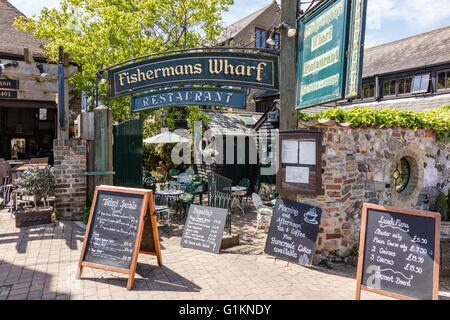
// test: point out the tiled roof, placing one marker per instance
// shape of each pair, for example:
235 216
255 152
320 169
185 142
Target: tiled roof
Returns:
232 30
13 41
232 123
421 50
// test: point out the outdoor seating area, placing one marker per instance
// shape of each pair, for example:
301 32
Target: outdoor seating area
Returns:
177 188
11 195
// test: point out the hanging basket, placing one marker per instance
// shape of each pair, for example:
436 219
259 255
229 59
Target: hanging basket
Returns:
33 216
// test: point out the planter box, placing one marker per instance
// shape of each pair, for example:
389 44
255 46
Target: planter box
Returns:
32 217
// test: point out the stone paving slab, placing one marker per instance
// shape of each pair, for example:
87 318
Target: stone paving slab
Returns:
40 262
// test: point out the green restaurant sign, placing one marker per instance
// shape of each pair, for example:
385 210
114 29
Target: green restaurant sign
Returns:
322 60
254 70
206 96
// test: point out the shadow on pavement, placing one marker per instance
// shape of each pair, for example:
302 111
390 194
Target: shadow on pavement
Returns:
55 230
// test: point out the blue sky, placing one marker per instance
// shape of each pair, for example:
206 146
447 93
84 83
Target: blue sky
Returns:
387 20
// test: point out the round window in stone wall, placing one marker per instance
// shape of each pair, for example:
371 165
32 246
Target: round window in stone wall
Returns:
402 174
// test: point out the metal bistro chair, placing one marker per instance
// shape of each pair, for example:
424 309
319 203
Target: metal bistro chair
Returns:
150 183
199 186
161 207
173 173
246 184
262 210
189 171
187 198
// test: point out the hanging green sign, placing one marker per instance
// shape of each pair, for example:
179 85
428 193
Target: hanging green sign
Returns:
322 54
356 48
221 97
254 70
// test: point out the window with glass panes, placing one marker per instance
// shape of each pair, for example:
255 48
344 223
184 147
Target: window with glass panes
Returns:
397 87
404 85
368 90
443 81
420 83
261 37
389 87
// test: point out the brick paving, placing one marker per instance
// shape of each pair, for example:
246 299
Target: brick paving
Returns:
40 262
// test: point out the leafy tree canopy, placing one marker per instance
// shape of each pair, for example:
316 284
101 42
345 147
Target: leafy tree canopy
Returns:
108 32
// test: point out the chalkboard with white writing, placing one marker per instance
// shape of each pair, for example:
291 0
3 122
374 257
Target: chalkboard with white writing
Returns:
204 228
114 228
399 252
293 231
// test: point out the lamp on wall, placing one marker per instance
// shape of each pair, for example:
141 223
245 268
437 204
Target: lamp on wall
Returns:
271 41
290 30
40 66
3 66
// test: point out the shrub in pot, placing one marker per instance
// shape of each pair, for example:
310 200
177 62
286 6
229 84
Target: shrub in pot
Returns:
40 184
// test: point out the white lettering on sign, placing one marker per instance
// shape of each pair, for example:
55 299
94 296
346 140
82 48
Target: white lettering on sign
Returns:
321 62
325 19
330 81
322 38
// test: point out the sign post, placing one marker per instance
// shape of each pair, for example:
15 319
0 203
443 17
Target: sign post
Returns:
399 253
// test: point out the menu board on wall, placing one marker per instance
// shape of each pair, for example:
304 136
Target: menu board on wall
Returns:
399 252
300 162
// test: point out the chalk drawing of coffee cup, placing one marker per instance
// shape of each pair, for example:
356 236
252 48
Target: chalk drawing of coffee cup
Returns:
311 216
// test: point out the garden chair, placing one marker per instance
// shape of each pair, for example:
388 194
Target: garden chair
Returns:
183 178
161 207
199 186
150 183
246 184
187 198
189 171
173 173
262 210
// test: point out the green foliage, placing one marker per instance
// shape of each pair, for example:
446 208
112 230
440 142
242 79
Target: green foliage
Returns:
156 152
36 182
86 213
108 32
355 249
448 204
437 120
442 206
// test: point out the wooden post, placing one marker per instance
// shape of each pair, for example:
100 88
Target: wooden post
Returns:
288 72
288 68
103 145
63 98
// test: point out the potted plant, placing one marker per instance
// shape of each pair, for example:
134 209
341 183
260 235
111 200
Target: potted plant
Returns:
40 184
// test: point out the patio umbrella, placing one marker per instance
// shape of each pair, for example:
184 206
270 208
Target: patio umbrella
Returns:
167 137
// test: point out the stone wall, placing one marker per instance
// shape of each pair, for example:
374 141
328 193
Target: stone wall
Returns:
358 166
71 188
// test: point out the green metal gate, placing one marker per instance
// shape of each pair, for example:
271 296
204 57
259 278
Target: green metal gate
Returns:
127 151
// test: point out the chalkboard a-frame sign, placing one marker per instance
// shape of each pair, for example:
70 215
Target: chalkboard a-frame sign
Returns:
115 231
399 253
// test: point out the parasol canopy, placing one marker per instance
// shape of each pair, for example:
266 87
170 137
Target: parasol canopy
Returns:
167 137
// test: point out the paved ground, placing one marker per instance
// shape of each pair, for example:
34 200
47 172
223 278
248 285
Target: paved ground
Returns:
40 263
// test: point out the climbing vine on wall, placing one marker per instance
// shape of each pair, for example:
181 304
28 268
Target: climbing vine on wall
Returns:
437 120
